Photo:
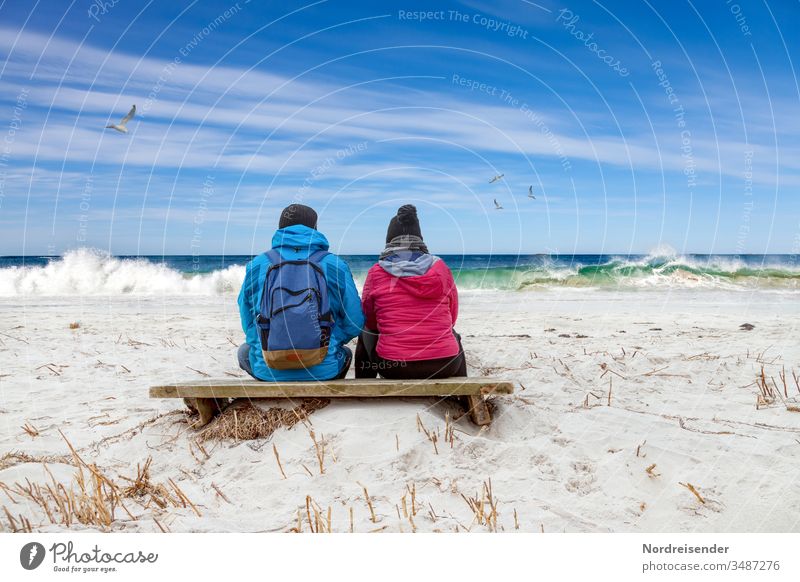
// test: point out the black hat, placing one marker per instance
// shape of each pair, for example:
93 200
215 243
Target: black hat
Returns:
298 214
406 222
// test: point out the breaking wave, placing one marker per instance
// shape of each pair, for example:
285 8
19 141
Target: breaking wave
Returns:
649 272
89 272
86 272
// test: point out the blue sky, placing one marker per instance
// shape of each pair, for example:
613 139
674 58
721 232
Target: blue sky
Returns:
639 124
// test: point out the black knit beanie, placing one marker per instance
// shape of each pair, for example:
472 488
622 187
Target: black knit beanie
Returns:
406 222
298 214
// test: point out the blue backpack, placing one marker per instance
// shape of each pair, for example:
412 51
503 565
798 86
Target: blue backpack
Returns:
294 319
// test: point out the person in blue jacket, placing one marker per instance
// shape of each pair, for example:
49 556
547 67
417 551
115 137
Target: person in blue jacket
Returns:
297 237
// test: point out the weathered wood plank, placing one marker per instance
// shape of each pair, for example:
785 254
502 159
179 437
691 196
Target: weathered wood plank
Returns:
360 388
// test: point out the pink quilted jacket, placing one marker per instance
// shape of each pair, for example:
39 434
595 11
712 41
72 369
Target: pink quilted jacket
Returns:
414 313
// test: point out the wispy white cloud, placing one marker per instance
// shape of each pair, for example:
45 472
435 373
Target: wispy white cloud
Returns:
266 134
210 116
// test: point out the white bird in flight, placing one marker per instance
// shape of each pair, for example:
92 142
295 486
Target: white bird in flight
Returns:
530 192
497 205
496 178
122 125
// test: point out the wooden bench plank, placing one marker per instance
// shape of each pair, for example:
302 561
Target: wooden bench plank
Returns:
208 397
357 388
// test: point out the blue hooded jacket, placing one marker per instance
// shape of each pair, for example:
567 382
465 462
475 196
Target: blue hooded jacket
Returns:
299 242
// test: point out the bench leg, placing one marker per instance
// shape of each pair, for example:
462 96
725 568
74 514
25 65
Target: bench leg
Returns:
189 402
206 408
478 411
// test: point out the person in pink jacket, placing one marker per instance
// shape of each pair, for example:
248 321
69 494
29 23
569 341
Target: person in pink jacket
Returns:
410 303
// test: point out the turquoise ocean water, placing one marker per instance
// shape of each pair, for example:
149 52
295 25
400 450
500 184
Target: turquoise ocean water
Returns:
90 272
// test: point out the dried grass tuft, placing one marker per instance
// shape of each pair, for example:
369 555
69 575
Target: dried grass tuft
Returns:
319 521
248 422
90 498
30 430
484 507
146 493
769 392
431 435
18 457
766 395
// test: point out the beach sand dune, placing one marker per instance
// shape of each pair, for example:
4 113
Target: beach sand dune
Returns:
636 412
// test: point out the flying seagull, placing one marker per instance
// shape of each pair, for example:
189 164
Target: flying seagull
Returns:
496 178
530 192
121 126
497 205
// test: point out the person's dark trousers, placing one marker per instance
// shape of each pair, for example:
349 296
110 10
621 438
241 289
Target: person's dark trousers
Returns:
243 356
365 354
369 364
348 359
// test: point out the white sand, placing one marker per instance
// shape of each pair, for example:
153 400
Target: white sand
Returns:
682 395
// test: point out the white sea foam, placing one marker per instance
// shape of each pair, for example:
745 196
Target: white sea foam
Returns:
89 272
86 272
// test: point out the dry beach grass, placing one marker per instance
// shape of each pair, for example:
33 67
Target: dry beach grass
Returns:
244 421
637 412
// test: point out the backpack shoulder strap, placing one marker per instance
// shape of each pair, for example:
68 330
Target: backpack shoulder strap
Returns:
274 257
317 256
